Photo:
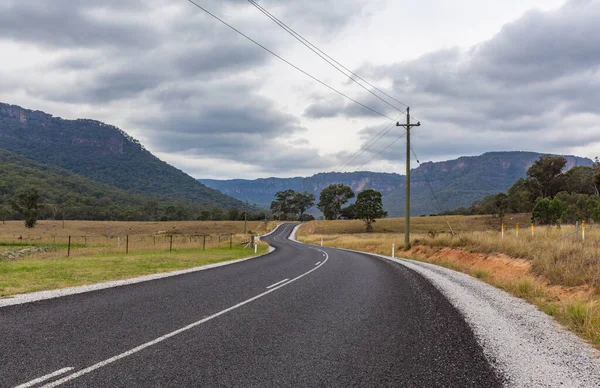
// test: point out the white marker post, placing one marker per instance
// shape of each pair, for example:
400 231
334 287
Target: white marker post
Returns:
517 230
393 250
255 247
502 230
582 230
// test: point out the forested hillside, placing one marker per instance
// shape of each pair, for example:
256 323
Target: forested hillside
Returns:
456 183
65 195
102 153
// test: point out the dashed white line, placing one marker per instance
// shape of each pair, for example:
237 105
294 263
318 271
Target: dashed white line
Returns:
278 283
108 361
44 378
318 262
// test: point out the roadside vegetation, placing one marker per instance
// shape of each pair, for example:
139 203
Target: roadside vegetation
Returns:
103 251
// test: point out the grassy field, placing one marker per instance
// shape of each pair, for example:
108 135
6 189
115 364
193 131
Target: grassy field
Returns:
553 269
29 275
40 259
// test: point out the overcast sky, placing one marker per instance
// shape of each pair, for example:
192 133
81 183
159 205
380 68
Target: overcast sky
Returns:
479 75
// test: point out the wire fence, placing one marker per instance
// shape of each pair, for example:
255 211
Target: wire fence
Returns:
62 245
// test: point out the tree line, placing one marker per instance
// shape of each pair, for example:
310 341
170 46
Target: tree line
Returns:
289 204
551 195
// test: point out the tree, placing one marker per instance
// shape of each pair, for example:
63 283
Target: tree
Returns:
5 212
302 202
233 214
580 180
26 202
546 175
283 203
332 198
216 214
204 215
369 207
349 212
548 211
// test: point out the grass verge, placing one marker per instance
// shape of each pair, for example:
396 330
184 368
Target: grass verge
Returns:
30 275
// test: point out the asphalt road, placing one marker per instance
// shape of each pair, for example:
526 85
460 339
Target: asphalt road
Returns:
340 319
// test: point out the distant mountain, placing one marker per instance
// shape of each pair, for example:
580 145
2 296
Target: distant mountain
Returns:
455 183
102 153
65 194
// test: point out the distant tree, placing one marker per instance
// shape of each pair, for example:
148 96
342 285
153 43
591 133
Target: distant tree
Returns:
302 202
26 202
332 198
520 198
307 217
546 175
5 212
349 212
369 207
581 180
500 205
233 214
216 214
204 215
150 210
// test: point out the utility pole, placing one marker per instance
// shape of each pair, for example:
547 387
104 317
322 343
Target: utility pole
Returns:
408 126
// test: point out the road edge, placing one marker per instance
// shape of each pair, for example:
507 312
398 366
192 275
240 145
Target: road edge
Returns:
37 296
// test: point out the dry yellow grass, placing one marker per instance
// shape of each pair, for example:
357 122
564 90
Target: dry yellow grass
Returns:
106 237
553 269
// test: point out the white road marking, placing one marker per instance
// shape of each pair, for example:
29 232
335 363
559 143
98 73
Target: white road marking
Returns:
172 334
278 283
318 262
44 378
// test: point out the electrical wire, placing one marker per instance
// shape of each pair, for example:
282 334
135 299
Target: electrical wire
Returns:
380 152
331 61
288 62
439 205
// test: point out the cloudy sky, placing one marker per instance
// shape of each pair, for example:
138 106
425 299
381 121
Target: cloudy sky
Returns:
480 76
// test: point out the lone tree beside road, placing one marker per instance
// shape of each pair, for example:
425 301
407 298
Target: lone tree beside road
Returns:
332 198
369 207
26 202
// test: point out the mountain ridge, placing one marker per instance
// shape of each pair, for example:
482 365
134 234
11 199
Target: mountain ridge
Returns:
102 153
458 182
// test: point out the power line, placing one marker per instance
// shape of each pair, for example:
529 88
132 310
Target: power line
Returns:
380 152
335 64
439 205
358 153
288 62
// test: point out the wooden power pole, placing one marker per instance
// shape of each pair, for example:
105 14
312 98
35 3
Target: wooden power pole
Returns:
408 126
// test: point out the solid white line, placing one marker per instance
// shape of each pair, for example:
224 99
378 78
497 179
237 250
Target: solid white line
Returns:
44 378
172 334
278 283
318 262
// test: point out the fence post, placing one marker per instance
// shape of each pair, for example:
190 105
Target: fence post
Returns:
231 241
321 241
127 244
85 239
154 240
171 244
69 247
204 243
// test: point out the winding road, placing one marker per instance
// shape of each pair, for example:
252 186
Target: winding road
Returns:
299 316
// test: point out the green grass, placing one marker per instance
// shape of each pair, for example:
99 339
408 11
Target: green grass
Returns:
29 275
